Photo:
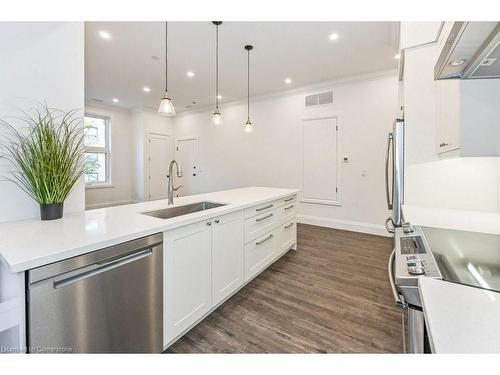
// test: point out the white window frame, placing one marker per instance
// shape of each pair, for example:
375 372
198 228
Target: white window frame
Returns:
104 150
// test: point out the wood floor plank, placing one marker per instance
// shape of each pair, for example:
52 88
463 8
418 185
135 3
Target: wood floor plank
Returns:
330 296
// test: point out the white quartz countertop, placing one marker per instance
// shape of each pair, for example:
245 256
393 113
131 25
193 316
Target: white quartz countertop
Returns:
459 318
32 243
474 221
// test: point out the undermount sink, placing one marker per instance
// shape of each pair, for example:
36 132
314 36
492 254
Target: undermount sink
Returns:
168 213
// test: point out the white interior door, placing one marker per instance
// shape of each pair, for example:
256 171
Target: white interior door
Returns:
186 155
320 160
159 158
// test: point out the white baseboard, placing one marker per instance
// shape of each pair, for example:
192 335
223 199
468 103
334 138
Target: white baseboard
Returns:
108 204
355 226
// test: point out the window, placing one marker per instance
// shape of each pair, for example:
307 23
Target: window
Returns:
97 156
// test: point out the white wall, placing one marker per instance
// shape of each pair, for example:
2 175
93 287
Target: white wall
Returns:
271 155
39 62
122 146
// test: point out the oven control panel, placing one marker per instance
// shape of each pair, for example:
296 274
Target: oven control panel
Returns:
413 257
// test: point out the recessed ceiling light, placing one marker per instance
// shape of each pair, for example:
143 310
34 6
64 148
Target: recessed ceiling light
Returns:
219 97
146 89
333 36
458 62
115 100
104 35
190 74
397 56
288 81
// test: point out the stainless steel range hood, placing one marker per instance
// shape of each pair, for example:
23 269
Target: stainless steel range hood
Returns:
471 51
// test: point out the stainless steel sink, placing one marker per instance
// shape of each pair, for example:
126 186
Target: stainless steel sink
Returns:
168 213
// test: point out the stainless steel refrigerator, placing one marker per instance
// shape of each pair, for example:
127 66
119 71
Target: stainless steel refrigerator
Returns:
394 175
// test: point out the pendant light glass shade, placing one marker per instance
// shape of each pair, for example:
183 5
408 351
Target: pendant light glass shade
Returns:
248 125
166 107
217 117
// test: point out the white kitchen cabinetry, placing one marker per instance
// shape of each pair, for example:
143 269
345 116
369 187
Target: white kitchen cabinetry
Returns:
207 262
187 277
287 236
468 117
446 117
228 261
259 253
414 34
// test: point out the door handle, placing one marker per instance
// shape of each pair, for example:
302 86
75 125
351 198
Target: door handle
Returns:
389 229
390 270
387 194
103 267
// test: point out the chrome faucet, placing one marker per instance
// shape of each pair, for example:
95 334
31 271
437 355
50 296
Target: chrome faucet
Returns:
171 187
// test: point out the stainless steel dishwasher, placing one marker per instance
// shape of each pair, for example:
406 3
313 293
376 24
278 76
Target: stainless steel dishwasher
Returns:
107 301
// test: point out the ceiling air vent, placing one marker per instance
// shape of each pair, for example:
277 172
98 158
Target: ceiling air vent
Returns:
322 98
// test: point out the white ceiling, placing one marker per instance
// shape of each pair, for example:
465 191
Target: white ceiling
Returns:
121 66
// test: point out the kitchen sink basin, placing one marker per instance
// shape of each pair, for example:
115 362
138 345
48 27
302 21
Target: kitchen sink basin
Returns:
168 213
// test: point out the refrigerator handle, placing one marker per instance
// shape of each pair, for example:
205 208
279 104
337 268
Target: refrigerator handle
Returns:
387 192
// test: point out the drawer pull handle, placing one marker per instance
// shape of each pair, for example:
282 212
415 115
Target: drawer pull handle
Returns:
289 199
443 144
287 208
288 226
263 218
264 208
264 240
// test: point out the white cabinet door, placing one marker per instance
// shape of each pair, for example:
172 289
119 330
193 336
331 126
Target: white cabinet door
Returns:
447 115
228 263
414 34
187 277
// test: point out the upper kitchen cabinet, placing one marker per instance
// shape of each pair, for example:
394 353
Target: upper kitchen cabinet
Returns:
467 111
414 34
445 117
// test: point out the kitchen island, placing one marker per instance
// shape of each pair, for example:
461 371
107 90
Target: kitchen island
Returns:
253 228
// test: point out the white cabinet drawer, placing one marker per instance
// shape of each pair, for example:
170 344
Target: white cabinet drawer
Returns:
287 213
259 225
261 209
259 254
287 200
286 236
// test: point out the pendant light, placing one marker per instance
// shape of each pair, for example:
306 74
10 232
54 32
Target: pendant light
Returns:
248 125
166 107
217 117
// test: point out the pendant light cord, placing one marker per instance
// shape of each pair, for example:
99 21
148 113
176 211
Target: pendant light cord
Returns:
217 67
248 86
166 56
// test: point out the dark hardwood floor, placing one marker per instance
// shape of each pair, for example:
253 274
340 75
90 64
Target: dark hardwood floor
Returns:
331 296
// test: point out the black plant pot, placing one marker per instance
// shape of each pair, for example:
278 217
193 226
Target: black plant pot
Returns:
51 211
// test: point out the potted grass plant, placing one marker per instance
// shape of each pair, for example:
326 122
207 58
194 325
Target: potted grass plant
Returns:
46 156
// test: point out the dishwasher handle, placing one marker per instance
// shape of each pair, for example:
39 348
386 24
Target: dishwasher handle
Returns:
390 270
103 267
